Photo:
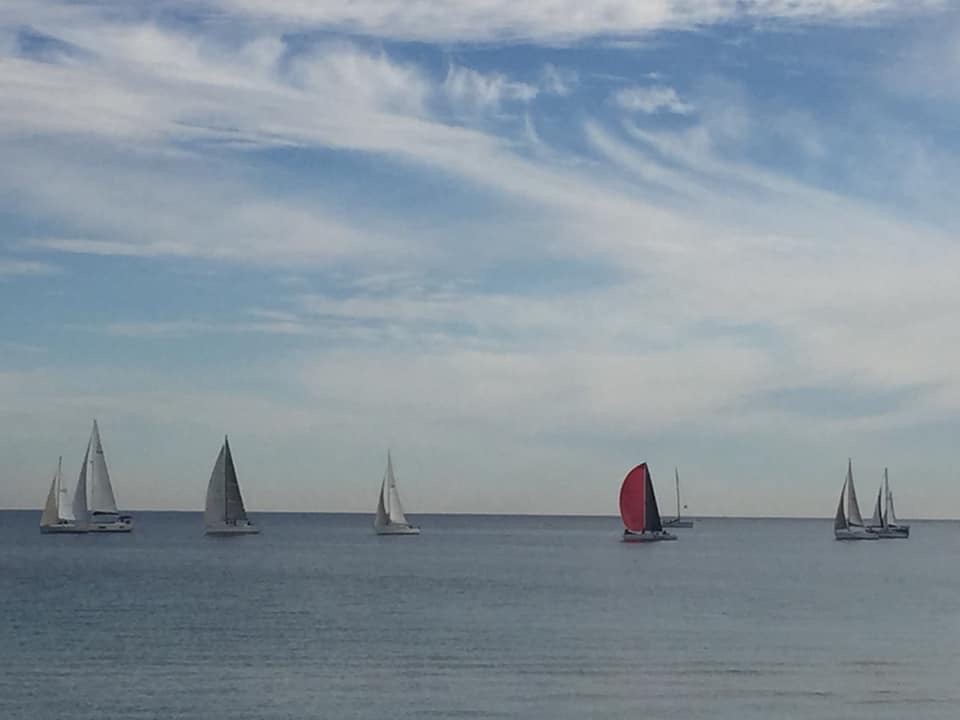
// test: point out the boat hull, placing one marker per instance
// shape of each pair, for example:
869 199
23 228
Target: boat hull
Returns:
646 537
397 530
224 530
62 530
891 533
854 534
677 524
111 524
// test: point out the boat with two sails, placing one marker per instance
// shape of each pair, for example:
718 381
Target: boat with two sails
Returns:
638 508
390 519
225 513
70 510
884 523
66 508
848 523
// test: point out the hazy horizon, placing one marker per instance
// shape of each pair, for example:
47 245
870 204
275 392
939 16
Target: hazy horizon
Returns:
526 246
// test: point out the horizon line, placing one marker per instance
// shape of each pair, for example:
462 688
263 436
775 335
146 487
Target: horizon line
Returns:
507 514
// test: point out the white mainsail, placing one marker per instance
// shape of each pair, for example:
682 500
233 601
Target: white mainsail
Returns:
102 499
78 505
224 502
876 520
390 518
51 509
890 515
853 508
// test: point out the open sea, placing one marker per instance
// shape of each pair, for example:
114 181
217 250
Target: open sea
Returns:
479 617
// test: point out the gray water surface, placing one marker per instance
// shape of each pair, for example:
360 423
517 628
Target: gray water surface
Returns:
479 617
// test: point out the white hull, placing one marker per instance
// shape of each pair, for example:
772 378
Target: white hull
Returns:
111 527
646 537
112 524
854 534
397 530
62 529
891 533
232 530
681 523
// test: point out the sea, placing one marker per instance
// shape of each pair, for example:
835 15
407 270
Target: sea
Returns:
478 617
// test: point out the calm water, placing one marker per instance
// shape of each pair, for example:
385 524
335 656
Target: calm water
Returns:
479 617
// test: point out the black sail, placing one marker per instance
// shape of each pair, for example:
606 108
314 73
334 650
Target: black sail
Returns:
651 512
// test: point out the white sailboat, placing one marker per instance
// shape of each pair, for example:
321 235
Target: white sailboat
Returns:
66 508
390 519
62 508
848 523
104 516
224 513
678 521
884 524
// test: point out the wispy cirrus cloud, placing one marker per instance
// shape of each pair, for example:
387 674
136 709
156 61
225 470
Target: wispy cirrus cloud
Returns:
551 21
10 267
652 99
471 91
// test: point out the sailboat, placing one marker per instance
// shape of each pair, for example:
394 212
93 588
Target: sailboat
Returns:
390 519
104 516
884 524
848 523
678 522
638 508
65 512
224 513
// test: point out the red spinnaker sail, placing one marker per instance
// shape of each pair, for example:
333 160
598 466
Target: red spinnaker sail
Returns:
633 495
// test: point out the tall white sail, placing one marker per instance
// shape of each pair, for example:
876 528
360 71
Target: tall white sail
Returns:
79 501
101 491
853 508
394 508
51 515
224 502
876 520
390 519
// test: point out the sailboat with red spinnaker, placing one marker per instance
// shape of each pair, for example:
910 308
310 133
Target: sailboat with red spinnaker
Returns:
638 508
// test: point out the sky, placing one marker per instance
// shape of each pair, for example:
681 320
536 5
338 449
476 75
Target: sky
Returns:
525 245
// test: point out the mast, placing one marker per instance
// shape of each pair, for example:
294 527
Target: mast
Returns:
886 498
226 454
676 475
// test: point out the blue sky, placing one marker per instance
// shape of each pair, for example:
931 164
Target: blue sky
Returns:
526 245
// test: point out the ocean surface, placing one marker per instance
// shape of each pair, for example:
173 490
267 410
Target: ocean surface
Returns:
479 617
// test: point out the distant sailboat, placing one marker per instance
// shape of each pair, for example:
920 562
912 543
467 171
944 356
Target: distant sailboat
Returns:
224 513
848 523
884 524
62 509
638 508
390 519
678 521
104 516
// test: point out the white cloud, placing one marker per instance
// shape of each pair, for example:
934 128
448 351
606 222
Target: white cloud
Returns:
556 21
558 81
471 91
652 99
11 266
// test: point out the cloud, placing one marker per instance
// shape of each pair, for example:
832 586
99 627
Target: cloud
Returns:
10 267
552 21
470 91
651 100
558 81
